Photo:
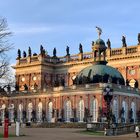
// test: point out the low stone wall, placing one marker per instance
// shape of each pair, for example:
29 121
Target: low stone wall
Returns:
121 130
96 126
59 125
118 129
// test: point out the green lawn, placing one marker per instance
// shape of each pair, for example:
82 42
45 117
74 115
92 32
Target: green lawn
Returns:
96 133
10 135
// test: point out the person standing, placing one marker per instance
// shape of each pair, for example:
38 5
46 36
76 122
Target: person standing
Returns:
105 131
137 131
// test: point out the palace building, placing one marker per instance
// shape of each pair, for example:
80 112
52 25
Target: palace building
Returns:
72 88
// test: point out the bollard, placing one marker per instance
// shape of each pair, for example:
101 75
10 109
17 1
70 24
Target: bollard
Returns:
17 128
6 122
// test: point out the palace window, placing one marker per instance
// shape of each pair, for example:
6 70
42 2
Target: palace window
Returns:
81 110
94 110
50 111
68 110
115 110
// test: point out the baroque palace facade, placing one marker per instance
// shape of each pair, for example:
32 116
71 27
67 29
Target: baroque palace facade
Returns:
71 88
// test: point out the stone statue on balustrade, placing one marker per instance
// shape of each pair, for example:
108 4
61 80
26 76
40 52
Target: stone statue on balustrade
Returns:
19 54
138 38
108 44
42 50
29 52
54 52
24 54
67 51
124 41
80 48
92 43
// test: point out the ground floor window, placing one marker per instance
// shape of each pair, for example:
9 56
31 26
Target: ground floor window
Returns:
94 110
67 110
50 111
81 111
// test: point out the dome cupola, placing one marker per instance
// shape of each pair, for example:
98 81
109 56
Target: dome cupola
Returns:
99 71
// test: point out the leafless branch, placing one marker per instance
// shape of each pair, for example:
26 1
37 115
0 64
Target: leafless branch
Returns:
4 47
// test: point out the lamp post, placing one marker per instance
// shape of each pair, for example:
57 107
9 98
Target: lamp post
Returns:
108 95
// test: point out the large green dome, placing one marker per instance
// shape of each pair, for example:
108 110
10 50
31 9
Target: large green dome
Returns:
99 73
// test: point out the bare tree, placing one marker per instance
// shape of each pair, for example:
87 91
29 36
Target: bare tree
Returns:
5 46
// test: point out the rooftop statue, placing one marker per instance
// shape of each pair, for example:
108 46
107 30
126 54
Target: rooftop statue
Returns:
19 53
29 52
99 31
80 48
124 41
54 52
108 44
67 51
41 49
92 43
24 54
138 38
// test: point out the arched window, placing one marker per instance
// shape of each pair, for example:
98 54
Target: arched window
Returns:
81 110
67 110
20 112
115 110
50 111
94 110
133 111
39 112
29 111
125 111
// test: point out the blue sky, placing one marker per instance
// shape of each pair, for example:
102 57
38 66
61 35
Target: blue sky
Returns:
58 23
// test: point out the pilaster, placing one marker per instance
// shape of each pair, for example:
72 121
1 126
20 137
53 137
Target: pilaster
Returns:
124 50
80 56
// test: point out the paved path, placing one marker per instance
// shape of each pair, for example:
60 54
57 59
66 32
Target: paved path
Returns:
62 134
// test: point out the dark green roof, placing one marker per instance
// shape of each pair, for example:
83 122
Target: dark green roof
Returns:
100 73
99 42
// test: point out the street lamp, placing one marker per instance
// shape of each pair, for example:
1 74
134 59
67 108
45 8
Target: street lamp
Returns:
108 95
